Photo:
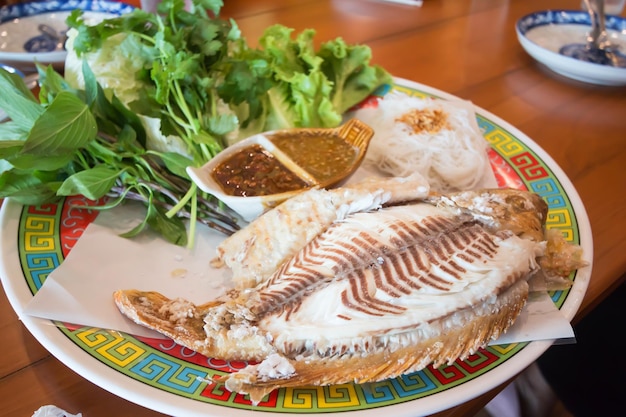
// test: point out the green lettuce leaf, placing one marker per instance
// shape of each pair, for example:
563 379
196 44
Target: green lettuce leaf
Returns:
348 68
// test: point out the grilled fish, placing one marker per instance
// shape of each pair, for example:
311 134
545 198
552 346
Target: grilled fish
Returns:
380 288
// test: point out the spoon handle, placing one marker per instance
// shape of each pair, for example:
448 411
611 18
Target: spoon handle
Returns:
597 37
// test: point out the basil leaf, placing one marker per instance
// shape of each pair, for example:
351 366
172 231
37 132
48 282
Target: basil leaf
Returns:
176 163
26 188
17 101
13 131
9 148
65 126
40 162
93 183
172 229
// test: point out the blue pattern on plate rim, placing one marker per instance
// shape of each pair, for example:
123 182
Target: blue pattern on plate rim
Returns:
30 9
576 17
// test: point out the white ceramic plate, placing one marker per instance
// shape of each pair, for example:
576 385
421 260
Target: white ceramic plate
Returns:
34 32
542 34
172 380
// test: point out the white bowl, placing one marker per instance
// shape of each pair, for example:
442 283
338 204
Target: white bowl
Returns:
23 39
543 33
354 132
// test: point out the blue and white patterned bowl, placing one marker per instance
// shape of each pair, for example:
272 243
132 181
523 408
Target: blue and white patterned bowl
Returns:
543 33
34 32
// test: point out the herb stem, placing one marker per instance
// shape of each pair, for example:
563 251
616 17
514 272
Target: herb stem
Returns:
182 104
221 223
190 193
193 219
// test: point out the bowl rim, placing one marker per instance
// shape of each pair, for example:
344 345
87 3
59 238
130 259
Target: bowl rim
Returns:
565 16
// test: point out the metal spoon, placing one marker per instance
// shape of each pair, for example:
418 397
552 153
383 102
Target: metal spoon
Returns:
598 49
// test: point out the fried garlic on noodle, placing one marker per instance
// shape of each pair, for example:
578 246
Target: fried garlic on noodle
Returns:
440 139
383 287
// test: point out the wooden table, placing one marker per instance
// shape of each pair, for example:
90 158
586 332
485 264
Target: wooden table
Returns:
466 48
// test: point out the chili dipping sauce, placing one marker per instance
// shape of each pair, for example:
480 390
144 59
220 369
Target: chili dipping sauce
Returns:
253 171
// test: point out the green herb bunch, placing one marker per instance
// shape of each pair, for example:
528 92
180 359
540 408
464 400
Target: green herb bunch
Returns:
79 142
145 95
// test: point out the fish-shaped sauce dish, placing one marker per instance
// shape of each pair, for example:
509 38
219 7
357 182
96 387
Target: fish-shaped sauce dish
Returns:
363 283
264 170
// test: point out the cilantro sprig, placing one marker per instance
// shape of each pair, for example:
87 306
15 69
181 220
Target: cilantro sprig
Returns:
182 55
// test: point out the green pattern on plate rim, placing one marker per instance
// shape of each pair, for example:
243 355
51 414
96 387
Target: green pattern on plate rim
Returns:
47 234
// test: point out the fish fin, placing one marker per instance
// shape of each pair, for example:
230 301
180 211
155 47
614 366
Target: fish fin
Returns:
177 319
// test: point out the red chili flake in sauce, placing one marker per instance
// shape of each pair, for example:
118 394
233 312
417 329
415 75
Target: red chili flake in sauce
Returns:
253 171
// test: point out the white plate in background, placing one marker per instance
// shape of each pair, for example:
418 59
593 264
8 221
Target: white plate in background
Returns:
543 33
23 39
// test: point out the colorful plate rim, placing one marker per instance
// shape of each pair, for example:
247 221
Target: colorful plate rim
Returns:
533 162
